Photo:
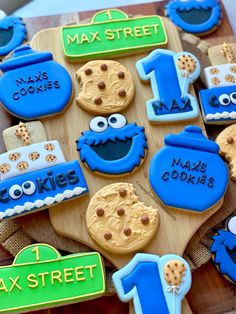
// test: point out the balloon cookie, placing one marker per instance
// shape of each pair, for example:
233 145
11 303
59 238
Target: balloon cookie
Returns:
186 166
41 278
112 146
227 143
172 102
199 17
105 87
118 222
223 250
155 284
12 33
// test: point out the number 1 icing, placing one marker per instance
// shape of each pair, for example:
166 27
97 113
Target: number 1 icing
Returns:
155 284
171 75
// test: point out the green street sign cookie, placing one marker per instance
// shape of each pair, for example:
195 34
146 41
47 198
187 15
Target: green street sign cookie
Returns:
112 32
40 278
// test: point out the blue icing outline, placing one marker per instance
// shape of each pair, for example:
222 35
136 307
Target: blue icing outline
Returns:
37 85
166 297
216 109
174 6
127 163
186 167
19 33
187 103
15 207
223 240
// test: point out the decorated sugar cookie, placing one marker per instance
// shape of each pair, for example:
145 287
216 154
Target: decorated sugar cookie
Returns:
154 284
105 87
172 101
227 143
37 86
41 278
112 32
112 146
219 99
12 33
118 222
186 166
223 250
34 174
199 17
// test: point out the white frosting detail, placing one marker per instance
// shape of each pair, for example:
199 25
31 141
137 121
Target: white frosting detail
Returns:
19 209
223 69
2 14
223 115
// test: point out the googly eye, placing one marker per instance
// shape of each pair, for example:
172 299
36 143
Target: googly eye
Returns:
98 124
232 225
233 98
15 191
224 100
117 121
28 187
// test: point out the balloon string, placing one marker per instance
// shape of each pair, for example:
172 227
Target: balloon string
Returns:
175 290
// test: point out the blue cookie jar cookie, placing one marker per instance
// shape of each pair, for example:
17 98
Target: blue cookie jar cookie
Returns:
12 33
188 173
33 85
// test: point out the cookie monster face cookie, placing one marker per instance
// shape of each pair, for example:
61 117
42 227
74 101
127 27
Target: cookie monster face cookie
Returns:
224 250
195 16
112 146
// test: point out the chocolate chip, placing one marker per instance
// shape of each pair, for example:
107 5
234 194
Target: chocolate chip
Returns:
107 235
122 93
127 231
88 71
98 100
230 140
120 212
145 220
121 74
101 85
103 67
100 212
122 192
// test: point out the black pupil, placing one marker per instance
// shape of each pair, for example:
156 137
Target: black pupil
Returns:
113 120
27 185
225 100
101 124
17 192
234 96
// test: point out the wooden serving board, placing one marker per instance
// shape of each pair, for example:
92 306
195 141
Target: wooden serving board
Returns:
68 219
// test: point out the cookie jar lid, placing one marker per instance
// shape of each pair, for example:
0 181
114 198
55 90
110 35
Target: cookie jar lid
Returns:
193 138
23 56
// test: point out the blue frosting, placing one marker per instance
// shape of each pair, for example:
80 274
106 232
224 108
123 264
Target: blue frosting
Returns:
224 250
186 166
37 86
12 34
219 104
49 185
194 16
113 151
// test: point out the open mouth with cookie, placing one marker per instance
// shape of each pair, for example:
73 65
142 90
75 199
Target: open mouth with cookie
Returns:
195 16
112 146
224 250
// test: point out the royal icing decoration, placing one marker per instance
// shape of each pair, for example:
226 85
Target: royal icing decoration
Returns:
112 146
40 278
112 32
118 222
106 87
223 250
12 33
195 16
37 85
155 284
186 166
37 176
172 101
220 75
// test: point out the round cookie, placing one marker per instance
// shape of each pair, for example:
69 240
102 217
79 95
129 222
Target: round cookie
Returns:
106 87
118 222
